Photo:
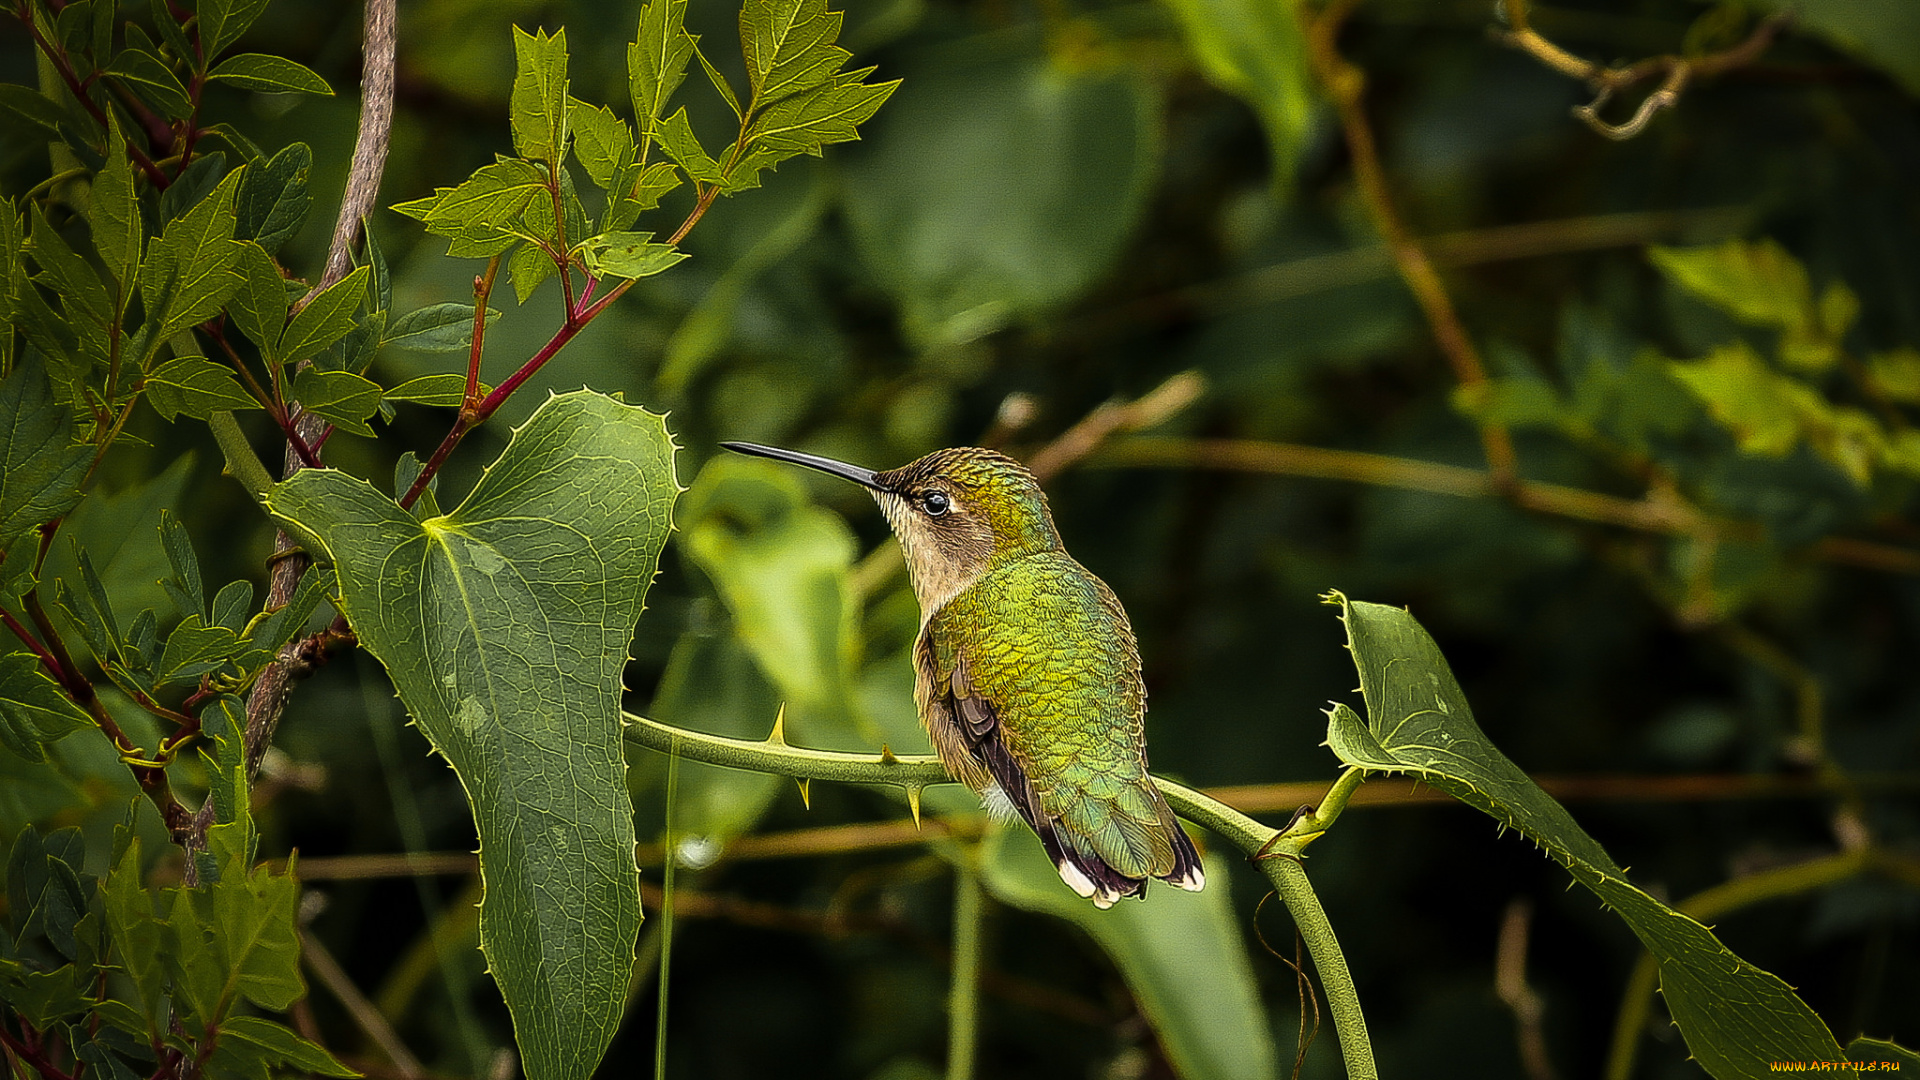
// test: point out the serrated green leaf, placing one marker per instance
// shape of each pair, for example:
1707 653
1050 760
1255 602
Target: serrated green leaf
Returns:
248 915
507 648
602 141
343 397
446 389
188 274
223 21
269 74
274 198
197 387
69 277
539 103
185 585
326 319
40 468
136 935
444 327
271 1044
676 137
259 305
1182 954
630 255
657 61
1735 1018
1257 51
119 235
789 47
480 214
1762 408
802 123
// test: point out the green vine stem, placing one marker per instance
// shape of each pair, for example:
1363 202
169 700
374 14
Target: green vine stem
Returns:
1276 852
963 996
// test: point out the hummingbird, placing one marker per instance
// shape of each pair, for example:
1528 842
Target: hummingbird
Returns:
1027 675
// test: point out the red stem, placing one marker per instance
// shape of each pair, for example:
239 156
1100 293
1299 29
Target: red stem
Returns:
482 291
32 1057
46 658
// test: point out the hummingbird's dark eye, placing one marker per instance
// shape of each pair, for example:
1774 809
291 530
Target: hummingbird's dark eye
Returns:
935 503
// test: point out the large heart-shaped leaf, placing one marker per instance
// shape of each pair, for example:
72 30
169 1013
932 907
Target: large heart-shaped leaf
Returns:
504 625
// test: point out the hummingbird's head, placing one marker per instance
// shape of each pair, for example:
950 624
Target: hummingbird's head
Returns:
958 512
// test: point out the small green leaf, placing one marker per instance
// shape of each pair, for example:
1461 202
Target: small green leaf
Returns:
657 61
1763 409
1884 1051
119 235
444 327
189 273
197 387
185 587
480 214
539 104
602 141
1760 283
677 139
789 47
139 65
34 711
40 467
1735 1017
194 649
343 397
326 319
253 1040
223 21
69 276
274 198
507 649
269 74
231 604
446 389
259 305
630 255
136 934
806 121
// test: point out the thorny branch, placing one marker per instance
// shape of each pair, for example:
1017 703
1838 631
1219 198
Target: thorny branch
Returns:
1678 71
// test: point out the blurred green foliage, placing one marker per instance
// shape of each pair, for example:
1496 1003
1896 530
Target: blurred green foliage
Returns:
1713 325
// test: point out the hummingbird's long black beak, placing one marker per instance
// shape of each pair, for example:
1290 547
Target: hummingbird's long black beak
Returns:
863 477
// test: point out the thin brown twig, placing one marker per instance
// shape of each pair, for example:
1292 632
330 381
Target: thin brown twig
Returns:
370 1021
1660 511
1605 81
1511 987
1346 85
